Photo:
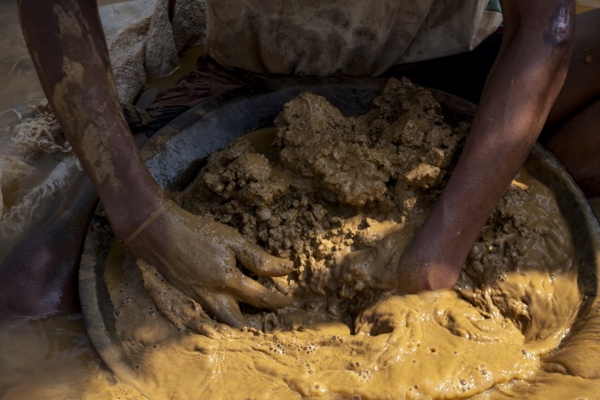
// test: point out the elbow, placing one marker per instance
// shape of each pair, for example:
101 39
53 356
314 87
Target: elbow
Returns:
548 43
559 37
549 34
560 31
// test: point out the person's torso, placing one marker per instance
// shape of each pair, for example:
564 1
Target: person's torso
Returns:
358 37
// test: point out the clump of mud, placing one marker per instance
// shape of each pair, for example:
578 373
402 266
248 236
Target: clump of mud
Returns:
331 185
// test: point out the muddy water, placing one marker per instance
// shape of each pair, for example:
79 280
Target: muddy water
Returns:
52 358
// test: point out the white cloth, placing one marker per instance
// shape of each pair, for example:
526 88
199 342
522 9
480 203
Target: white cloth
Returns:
143 42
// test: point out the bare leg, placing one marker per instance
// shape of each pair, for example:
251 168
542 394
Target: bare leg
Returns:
577 146
571 132
39 276
582 86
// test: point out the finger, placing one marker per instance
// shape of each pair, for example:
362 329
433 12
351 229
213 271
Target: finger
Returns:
260 262
226 310
251 292
281 284
350 261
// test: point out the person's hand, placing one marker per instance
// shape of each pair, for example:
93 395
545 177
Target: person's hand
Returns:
377 268
396 264
198 256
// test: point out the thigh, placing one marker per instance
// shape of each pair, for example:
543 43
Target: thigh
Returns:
582 85
463 75
577 145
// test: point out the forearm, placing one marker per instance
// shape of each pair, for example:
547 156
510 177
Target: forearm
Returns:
520 91
66 41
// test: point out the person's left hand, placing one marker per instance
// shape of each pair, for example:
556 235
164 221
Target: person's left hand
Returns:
378 268
399 263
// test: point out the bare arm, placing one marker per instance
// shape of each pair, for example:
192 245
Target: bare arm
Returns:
68 48
521 88
66 42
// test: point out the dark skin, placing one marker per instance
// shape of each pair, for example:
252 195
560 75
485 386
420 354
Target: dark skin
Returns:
68 48
574 118
521 89
570 133
38 276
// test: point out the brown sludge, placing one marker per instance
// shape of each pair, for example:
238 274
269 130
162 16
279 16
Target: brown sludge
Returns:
330 185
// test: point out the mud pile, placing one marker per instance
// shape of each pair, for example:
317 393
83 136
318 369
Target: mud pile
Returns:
331 185
328 186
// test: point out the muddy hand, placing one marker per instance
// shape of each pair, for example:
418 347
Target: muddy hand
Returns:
198 256
376 268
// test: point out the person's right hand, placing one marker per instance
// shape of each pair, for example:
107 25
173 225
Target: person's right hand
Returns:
198 256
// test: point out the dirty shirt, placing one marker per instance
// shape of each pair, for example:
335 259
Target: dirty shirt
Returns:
357 37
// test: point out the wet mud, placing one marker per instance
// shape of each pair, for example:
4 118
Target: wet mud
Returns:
52 358
320 189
